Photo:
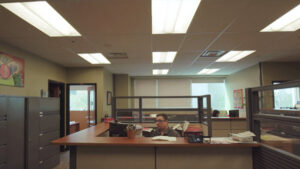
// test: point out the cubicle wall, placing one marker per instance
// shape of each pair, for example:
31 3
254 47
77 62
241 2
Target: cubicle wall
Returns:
144 110
277 129
27 125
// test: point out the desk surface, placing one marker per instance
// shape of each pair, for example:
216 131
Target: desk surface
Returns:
228 118
90 137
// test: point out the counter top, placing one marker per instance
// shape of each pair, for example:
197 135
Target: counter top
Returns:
90 137
228 118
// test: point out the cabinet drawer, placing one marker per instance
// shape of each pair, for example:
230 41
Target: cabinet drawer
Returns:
50 104
3 166
46 138
3 106
3 153
221 124
49 123
220 133
48 151
3 134
239 124
237 131
50 163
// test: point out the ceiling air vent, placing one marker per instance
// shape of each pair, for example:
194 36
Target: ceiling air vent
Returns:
115 55
213 53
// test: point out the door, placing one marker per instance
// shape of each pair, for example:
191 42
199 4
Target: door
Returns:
81 106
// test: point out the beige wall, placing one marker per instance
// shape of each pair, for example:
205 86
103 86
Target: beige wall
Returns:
277 71
280 71
107 86
37 73
97 75
244 79
122 88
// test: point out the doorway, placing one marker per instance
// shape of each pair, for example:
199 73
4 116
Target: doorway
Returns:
57 89
81 106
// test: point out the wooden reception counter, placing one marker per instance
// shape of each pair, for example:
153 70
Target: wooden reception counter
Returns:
90 150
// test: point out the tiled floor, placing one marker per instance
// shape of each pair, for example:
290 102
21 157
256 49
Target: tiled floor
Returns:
64 161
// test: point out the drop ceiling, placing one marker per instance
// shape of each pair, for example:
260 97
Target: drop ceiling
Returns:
124 26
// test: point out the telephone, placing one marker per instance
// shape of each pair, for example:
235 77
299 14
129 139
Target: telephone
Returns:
195 139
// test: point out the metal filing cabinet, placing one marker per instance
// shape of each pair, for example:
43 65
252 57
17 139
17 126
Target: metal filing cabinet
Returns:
3 132
28 124
12 110
43 124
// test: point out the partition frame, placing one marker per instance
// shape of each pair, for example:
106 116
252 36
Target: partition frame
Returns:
263 157
200 109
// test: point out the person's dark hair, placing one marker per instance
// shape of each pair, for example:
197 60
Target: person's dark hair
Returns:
163 115
216 113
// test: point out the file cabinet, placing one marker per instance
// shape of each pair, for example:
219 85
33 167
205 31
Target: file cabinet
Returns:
27 126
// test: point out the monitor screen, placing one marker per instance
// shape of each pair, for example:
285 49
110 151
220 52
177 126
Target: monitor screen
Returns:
117 129
233 113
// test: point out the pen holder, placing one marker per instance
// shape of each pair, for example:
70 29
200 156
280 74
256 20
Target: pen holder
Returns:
131 133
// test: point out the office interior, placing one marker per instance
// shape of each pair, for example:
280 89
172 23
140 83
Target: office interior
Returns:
122 31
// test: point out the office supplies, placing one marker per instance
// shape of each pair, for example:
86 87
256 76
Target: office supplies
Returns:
164 138
233 113
195 139
243 137
117 129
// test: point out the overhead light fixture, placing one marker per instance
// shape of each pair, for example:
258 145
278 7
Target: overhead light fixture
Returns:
160 71
288 22
207 71
42 16
163 57
94 58
172 16
234 56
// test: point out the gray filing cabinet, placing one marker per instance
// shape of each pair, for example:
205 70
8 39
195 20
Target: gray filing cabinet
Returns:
27 126
12 133
43 126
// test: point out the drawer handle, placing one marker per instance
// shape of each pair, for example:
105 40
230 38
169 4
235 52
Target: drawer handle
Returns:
41 148
2 145
41 162
41 134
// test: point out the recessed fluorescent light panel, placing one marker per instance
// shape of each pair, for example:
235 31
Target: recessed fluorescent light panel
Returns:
234 56
288 22
160 71
163 57
207 71
42 16
94 58
172 16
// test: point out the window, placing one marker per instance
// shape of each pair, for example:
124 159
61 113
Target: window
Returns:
285 98
79 100
216 90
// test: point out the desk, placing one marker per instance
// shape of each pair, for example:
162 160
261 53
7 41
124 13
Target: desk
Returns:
222 126
88 150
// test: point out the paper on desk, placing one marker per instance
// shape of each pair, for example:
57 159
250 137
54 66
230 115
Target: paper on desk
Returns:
147 129
245 137
164 138
220 140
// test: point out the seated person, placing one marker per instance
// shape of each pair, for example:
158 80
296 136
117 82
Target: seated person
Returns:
162 127
216 113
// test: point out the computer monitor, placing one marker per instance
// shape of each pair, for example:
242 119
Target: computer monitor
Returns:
117 129
233 113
